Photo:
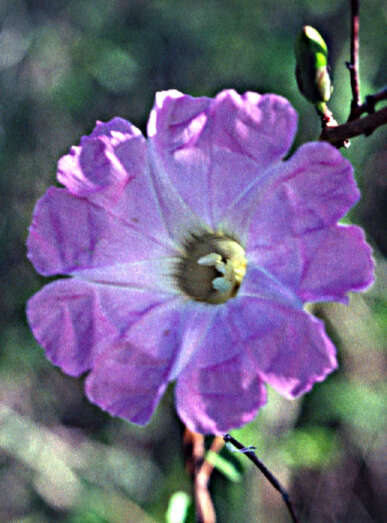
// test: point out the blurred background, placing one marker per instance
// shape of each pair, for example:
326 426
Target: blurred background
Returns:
65 64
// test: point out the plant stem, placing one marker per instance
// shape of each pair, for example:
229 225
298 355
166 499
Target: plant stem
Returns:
266 472
200 471
338 134
353 65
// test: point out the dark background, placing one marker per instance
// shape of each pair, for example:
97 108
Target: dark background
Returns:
65 64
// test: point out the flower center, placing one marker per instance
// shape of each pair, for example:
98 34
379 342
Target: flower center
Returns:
212 268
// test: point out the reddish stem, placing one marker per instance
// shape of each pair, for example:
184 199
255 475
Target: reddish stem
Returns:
338 134
200 471
353 65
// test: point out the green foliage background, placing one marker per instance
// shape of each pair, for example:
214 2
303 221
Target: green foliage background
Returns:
65 64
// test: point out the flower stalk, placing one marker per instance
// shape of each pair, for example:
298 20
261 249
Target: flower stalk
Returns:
200 471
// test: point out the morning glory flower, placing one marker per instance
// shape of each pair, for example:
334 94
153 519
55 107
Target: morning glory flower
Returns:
190 256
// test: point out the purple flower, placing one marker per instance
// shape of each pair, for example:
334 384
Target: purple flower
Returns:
191 256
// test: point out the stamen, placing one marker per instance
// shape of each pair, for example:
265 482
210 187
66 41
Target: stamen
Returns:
221 267
210 260
221 284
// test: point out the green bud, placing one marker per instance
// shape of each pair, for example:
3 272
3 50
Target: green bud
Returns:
312 66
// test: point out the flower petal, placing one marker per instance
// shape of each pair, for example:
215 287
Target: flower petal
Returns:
68 234
259 126
289 347
312 190
293 226
321 265
175 126
129 378
216 399
75 320
336 260
212 149
153 275
262 284
231 173
110 169
95 166
207 329
128 383
197 320
284 261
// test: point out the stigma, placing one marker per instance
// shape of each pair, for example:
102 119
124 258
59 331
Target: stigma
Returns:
212 267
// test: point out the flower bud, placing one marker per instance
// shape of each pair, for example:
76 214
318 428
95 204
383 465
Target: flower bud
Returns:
312 66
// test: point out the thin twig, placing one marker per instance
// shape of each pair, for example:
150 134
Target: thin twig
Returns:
266 472
353 65
366 125
200 471
371 100
338 135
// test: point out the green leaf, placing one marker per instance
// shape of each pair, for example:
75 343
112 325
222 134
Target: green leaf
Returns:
224 466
